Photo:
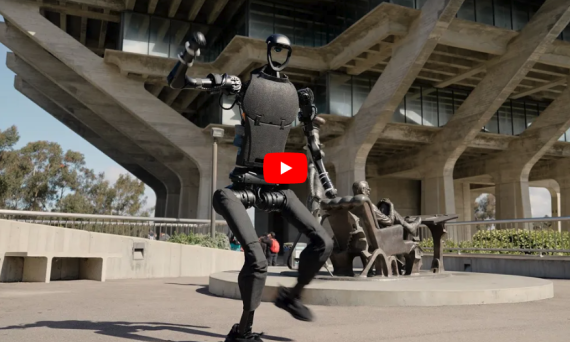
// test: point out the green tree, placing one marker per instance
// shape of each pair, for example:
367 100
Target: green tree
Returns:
8 181
41 177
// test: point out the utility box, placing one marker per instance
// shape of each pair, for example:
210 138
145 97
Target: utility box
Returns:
296 254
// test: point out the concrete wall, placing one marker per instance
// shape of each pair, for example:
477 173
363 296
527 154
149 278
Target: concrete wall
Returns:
159 259
546 267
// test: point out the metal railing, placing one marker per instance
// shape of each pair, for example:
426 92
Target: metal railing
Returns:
545 236
118 225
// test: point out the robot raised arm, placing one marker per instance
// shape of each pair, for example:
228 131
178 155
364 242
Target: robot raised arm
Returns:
307 114
177 78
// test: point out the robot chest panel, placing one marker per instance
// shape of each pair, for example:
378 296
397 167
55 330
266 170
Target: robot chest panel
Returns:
270 101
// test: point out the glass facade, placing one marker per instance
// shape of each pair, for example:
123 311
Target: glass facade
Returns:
336 93
427 106
306 25
162 37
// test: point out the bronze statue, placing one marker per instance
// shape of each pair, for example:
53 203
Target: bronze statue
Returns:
385 213
316 192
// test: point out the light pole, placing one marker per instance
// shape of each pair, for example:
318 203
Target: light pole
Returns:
216 133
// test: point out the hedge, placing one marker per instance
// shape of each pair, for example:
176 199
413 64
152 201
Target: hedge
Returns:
221 241
512 239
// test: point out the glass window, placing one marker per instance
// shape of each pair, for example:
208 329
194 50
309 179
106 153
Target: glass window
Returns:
420 3
400 113
467 10
414 106
492 126
520 14
407 3
284 21
136 33
179 34
320 91
567 136
360 91
484 11
159 43
459 97
503 13
531 109
445 105
505 119
261 20
304 29
566 33
340 102
532 9
429 107
519 123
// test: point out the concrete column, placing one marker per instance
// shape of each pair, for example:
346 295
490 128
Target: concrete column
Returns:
160 204
562 176
463 203
226 163
173 203
438 193
565 206
513 199
555 205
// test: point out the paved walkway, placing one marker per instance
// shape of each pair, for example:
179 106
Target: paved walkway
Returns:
180 309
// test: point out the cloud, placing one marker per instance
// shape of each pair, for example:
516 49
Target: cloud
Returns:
540 202
112 173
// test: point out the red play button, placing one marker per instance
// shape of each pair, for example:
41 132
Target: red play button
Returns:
285 168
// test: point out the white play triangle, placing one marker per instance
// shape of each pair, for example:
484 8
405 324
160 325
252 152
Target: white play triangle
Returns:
285 168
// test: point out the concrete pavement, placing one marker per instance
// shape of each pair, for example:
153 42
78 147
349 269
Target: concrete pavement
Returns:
180 309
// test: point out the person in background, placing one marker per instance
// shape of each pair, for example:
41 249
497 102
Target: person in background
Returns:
234 244
263 243
151 235
164 237
272 248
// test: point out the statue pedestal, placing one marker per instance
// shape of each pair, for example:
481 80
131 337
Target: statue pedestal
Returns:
424 289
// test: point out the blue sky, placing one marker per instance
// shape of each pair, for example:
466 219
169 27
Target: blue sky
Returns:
36 124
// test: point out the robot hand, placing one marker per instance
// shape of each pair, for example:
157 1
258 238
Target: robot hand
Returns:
308 111
192 49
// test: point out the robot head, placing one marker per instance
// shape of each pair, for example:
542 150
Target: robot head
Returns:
277 43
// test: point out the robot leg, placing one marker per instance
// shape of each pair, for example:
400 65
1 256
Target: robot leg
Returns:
252 277
320 246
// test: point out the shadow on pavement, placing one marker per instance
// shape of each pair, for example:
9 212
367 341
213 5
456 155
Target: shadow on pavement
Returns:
128 330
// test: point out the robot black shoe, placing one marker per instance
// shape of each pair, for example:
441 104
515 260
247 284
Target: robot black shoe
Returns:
234 336
293 306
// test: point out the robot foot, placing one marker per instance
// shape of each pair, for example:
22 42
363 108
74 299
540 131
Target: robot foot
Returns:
293 306
234 336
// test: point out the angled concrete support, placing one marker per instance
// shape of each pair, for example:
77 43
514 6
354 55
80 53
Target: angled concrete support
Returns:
100 127
102 144
504 73
511 168
123 102
102 98
349 153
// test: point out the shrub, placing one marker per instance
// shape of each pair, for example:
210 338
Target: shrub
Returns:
221 241
511 239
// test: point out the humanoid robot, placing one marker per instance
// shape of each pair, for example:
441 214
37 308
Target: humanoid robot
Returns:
269 103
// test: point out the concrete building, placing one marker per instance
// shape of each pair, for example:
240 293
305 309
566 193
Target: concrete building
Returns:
432 101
